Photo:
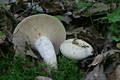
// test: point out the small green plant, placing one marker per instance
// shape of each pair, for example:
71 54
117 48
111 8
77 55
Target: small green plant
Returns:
2 4
67 70
19 69
81 5
59 17
114 21
11 69
1 33
118 45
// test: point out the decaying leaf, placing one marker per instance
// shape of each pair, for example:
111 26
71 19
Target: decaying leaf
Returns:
111 62
98 59
4 1
35 7
98 7
66 19
50 7
111 52
115 75
42 78
2 37
91 0
96 74
6 20
19 18
118 45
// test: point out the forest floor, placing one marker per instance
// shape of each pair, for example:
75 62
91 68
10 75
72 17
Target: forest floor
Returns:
94 21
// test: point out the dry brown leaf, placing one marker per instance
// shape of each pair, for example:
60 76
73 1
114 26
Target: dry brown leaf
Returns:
115 75
7 7
42 78
96 74
2 38
98 7
50 7
98 59
19 18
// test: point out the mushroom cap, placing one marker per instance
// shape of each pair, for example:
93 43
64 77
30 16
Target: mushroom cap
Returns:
76 49
32 27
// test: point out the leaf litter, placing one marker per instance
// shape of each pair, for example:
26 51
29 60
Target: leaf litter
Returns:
78 18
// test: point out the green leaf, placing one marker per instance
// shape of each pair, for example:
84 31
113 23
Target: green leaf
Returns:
59 17
101 19
118 45
1 33
114 16
2 4
115 28
116 38
112 1
113 19
81 5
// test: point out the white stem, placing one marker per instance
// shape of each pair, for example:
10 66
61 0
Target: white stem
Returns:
46 50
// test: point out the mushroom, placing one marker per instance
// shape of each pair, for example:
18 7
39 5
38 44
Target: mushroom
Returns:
42 32
76 49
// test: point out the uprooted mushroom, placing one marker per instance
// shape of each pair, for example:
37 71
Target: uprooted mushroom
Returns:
44 33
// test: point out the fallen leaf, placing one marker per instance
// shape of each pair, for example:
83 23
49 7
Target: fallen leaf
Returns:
98 7
42 78
66 19
115 75
2 37
96 74
118 45
98 59
50 7
35 7
81 5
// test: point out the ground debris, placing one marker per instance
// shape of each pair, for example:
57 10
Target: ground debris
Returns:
98 59
80 22
42 78
115 75
96 74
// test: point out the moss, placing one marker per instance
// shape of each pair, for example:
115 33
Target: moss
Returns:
11 69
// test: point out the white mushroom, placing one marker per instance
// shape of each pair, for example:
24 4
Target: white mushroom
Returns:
44 33
76 49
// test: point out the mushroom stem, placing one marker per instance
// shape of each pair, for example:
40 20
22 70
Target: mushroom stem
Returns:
45 48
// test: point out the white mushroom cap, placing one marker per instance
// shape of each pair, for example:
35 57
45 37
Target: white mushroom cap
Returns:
76 49
31 28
